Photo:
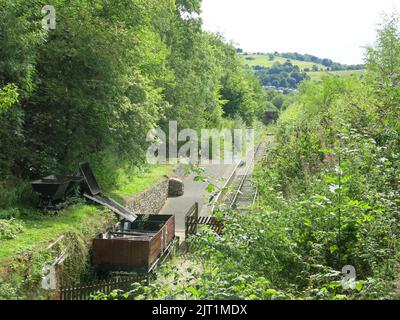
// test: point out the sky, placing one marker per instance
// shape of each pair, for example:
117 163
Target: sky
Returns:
334 29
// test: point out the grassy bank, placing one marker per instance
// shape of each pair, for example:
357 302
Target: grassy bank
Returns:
138 183
38 233
26 234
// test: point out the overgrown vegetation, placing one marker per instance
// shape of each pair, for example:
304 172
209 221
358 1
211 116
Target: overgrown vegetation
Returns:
111 71
24 251
329 198
332 181
284 75
92 88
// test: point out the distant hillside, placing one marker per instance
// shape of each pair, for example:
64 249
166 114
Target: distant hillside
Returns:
342 73
306 62
264 60
287 70
328 63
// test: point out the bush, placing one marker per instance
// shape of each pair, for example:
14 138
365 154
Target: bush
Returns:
9 229
9 213
19 194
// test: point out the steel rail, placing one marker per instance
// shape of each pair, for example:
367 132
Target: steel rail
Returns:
244 178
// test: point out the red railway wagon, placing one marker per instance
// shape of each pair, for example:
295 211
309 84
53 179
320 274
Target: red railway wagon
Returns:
134 245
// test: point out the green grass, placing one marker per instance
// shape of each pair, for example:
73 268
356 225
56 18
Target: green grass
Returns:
41 231
345 73
264 61
142 181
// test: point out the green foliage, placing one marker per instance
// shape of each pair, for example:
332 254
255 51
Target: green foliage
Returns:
269 59
25 253
9 229
107 74
329 194
334 66
332 179
16 200
8 96
314 67
284 75
10 125
383 62
91 89
278 101
20 37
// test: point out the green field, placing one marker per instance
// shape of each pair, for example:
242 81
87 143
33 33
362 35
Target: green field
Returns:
345 73
264 61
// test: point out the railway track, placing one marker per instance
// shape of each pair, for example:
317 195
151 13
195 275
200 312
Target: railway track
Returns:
244 194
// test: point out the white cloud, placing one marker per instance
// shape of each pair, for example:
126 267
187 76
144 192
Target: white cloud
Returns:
329 29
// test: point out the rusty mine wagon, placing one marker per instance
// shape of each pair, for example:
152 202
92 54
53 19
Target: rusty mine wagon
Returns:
138 245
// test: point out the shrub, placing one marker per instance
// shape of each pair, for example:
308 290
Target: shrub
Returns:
9 229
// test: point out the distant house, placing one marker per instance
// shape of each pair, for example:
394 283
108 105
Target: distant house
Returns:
280 89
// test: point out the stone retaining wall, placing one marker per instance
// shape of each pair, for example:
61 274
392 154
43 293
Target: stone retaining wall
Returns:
150 201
